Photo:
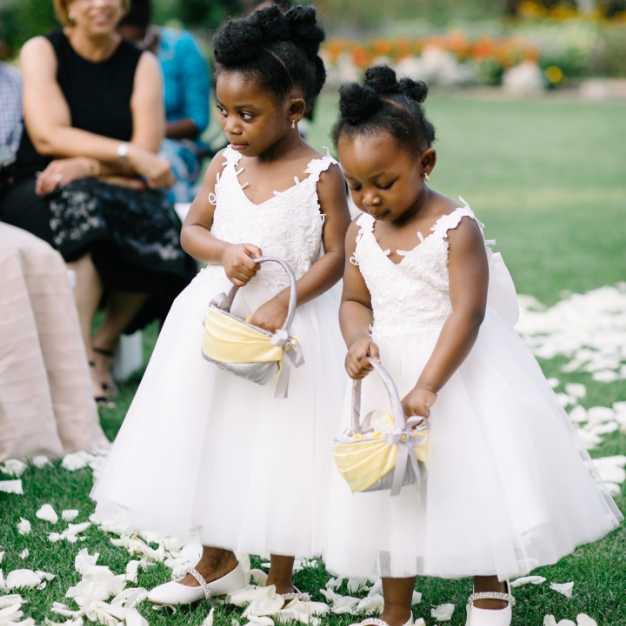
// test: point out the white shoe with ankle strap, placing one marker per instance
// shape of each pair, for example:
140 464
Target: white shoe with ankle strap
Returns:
175 593
490 617
375 621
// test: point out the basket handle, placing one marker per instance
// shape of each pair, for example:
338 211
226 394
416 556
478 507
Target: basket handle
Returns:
392 394
293 295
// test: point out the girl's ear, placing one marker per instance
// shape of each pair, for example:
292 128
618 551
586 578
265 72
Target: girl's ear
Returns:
428 160
296 108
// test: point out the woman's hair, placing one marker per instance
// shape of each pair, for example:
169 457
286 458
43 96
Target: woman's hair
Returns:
283 5
139 14
61 9
280 49
382 103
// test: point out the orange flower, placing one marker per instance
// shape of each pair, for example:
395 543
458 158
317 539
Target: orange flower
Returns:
361 57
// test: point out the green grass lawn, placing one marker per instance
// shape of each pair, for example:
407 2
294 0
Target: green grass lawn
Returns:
547 177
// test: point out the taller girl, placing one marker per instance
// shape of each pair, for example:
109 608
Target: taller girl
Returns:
203 453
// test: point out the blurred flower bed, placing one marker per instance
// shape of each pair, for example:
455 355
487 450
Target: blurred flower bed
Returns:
527 55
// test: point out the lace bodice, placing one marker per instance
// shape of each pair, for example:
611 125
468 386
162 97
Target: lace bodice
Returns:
288 225
413 294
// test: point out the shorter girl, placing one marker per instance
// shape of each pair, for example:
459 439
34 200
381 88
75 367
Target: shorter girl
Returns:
507 489
203 453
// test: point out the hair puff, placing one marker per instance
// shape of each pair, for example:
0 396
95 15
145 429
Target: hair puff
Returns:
416 90
358 103
305 31
382 79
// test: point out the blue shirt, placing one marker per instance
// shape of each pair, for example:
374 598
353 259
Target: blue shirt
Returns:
10 110
186 78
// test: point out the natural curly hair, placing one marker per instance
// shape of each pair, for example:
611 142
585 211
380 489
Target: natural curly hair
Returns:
61 9
385 103
280 49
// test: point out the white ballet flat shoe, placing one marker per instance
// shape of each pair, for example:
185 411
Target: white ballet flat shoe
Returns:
175 593
490 617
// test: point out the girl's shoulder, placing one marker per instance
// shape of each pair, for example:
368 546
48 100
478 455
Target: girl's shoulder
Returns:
452 215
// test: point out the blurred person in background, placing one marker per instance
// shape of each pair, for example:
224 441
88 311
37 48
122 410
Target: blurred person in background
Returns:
88 178
10 120
186 77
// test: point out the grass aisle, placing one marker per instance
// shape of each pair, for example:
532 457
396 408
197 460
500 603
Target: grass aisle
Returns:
546 176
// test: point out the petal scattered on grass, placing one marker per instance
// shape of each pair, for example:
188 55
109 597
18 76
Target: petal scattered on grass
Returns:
24 554
582 619
443 612
40 461
24 527
69 515
13 467
12 486
209 618
527 580
47 514
565 589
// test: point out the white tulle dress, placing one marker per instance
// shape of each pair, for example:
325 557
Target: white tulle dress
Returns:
508 486
210 457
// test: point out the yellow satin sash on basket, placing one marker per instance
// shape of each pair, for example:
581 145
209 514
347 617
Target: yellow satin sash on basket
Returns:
250 352
389 456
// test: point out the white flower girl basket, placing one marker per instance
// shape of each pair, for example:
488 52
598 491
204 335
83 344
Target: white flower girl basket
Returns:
246 350
388 458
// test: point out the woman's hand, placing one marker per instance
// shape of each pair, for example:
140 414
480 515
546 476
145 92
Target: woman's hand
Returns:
239 262
358 358
154 168
61 172
271 315
418 402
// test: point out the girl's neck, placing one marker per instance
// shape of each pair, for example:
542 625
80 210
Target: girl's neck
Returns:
286 145
418 208
93 49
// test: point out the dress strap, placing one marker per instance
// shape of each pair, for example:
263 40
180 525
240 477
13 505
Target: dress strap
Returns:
231 156
318 165
451 221
365 223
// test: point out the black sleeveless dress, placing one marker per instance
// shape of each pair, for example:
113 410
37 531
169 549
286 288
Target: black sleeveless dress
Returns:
132 236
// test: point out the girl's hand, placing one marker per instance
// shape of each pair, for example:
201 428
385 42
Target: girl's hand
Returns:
359 353
61 172
271 315
239 262
154 168
418 402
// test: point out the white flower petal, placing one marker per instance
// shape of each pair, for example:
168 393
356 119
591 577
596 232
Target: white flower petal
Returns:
40 461
24 554
443 612
12 486
13 467
527 580
134 618
258 577
24 527
47 514
371 605
565 589
582 619
24 579
549 620
69 515
209 618
416 599
77 461
130 598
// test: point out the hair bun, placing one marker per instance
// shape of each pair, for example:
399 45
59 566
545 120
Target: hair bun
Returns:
358 103
382 79
305 31
238 41
272 24
416 90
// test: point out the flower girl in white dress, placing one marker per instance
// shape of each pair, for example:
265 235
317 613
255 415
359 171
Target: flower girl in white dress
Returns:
202 453
507 486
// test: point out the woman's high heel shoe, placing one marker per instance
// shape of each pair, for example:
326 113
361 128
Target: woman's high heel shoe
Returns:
490 617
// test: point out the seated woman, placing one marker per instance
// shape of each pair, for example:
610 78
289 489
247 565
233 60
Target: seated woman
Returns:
45 391
187 93
88 177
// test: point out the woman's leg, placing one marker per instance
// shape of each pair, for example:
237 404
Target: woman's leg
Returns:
87 295
398 594
281 572
120 312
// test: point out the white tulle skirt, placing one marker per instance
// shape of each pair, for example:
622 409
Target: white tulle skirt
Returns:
508 486
207 456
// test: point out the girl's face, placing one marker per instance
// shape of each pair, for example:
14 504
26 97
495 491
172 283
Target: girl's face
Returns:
385 179
95 17
253 118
